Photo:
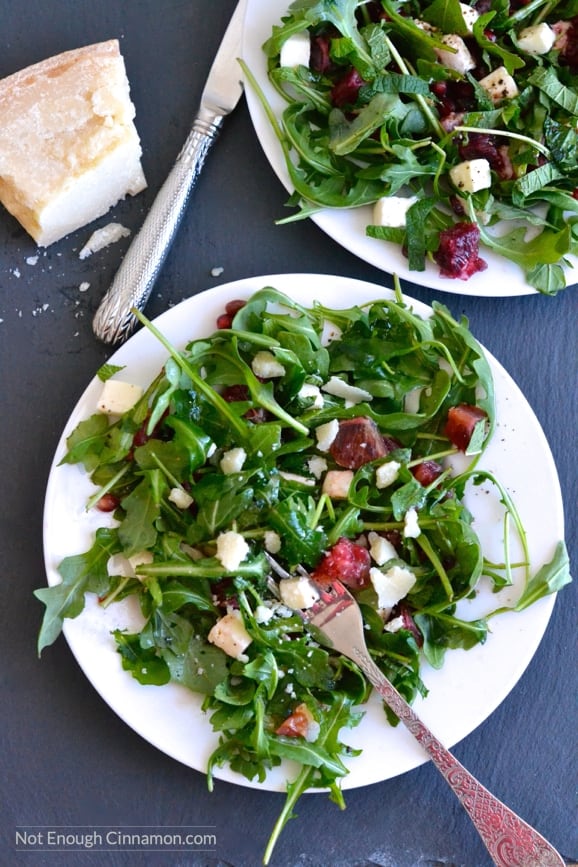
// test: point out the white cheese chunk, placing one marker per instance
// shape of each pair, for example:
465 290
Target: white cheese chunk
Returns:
298 592
231 549
263 614
330 332
272 541
230 635
118 397
336 484
538 39
458 56
380 548
308 390
394 625
297 478
317 466
499 84
180 498
391 211
233 460
470 16
265 365
472 175
296 51
386 474
339 388
325 434
391 586
411 528
101 238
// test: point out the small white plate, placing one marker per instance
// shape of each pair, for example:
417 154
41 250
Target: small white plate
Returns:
462 694
347 226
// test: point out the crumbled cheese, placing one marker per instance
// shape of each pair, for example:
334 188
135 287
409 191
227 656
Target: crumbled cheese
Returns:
102 237
325 434
308 390
394 625
339 388
296 51
298 592
499 84
266 366
538 39
336 484
458 56
386 474
411 528
470 16
231 549
330 332
230 635
216 272
391 211
272 541
180 498
472 175
317 466
391 586
233 460
118 397
263 614
380 548
295 477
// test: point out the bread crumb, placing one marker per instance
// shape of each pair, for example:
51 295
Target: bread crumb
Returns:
109 234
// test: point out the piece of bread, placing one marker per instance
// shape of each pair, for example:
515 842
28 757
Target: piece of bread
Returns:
69 149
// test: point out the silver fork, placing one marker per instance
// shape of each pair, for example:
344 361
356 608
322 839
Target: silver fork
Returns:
336 620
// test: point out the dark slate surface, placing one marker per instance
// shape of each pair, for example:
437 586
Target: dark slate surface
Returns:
65 758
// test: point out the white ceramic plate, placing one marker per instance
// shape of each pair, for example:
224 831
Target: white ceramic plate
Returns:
462 694
347 226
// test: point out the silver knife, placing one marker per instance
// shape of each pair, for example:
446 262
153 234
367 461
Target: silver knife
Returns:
141 266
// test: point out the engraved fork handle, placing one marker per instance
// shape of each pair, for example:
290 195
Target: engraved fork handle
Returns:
140 268
510 841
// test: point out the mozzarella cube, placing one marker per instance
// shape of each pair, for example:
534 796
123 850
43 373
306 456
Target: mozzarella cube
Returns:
391 586
391 211
470 16
266 366
499 84
296 51
386 474
233 460
472 175
231 550
230 635
298 592
325 434
336 484
118 397
538 39
458 56
411 528
380 548
351 393
180 498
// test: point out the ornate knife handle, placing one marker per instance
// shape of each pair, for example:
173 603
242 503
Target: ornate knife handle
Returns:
510 841
140 268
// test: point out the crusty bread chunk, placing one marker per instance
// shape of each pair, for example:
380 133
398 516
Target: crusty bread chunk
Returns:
69 149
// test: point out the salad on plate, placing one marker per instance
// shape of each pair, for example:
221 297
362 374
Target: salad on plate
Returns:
339 440
456 122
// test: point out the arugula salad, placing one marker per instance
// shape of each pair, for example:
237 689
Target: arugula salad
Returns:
457 122
325 438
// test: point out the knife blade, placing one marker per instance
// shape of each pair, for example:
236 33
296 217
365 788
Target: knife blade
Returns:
134 280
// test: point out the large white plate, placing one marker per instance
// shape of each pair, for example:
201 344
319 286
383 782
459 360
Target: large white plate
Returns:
462 694
347 226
